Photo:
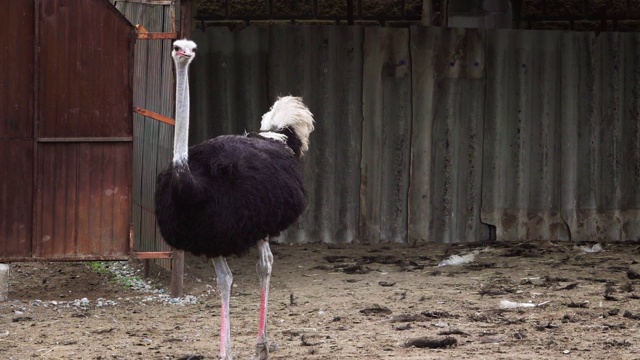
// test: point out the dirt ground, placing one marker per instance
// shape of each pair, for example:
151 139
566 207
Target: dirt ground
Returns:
344 302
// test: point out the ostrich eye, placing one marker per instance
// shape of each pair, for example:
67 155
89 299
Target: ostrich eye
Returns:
176 48
194 49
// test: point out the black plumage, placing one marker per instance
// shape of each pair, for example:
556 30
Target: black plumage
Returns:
233 191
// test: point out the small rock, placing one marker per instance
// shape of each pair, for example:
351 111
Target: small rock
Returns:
634 272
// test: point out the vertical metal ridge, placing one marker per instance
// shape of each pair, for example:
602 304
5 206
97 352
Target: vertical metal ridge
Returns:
386 89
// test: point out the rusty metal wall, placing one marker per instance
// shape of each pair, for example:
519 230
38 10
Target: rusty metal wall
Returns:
16 128
84 64
153 141
66 131
84 131
83 206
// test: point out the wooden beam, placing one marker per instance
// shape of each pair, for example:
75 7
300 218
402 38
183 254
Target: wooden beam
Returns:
444 13
144 34
149 2
185 19
435 16
141 255
157 35
154 116
427 12
84 139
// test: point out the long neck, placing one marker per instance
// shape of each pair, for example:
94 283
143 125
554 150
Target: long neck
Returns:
181 134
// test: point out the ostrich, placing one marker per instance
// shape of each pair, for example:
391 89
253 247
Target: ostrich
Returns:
231 193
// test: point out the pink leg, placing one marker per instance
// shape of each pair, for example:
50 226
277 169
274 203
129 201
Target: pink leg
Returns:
224 278
264 272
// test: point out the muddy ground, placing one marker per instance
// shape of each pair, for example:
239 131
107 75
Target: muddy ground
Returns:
344 302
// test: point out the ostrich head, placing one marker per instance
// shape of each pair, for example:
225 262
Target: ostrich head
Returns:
183 51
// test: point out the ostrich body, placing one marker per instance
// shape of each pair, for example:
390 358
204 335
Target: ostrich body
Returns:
231 193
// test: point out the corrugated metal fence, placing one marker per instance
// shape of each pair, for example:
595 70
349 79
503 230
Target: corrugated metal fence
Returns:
237 75
562 136
438 134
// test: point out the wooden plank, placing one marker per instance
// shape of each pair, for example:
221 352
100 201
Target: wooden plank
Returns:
121 193
16 85
71 187
45 237
16 197
57 177
108 190
186 16
157 36
141 255
78 257
48 68
85 139
83 222
95 202
147 2
155 116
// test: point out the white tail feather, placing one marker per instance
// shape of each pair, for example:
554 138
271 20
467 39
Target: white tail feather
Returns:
290 112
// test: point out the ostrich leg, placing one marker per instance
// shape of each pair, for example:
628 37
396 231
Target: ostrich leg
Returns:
224 278
264 272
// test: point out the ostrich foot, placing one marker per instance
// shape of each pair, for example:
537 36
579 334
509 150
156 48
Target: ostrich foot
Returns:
263 351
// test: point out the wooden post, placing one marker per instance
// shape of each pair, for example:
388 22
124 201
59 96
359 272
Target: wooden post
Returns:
177 260
435 17
185 18
444 13
146 268
427 12
177 274
349 12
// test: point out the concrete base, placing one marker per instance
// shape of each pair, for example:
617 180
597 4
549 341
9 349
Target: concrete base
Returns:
4 282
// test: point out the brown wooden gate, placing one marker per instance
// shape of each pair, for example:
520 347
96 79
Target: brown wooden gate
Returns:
65 131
